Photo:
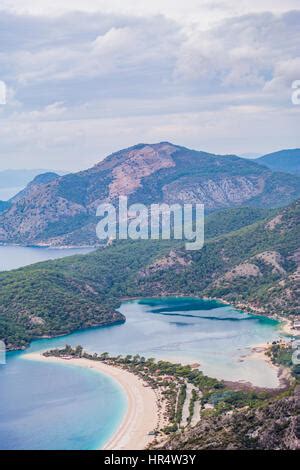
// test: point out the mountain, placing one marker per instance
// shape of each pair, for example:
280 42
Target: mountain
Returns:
41 179
13 181
32 187
62 211
15 178
256 266
4 205
287 161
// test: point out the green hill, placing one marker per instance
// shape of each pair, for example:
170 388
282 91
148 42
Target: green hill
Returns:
256 265
62 210
284 160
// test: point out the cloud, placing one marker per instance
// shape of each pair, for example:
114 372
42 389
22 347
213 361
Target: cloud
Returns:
286 71
86 83
129 56
242 53
201 11
126 52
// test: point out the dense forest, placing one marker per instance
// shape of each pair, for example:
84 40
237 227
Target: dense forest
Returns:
250 257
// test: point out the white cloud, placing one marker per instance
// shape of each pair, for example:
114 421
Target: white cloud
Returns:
242 52
84 84
51 112
204 12
125 45
286 71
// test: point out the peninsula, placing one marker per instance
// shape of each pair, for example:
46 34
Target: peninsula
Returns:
168 401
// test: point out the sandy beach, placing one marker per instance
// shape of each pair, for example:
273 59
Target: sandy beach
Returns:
259 351
142 414
283 373
286 327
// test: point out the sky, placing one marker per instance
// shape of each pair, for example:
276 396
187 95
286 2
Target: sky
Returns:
84 78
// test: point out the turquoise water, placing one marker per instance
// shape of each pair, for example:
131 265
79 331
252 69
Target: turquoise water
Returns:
185 330
50 406
47 406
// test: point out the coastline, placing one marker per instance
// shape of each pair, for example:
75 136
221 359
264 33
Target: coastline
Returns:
283 374
285 323
142 414
54 247
286 327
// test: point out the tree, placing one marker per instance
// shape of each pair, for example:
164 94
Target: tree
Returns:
104 356
68 349
128 358
78 351
136 359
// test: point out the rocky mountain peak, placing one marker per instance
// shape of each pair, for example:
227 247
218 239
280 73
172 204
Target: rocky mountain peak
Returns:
45 178
62 210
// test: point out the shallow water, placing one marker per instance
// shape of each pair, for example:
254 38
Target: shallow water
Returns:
188 330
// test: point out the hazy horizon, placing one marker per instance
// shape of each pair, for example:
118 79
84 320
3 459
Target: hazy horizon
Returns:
247 156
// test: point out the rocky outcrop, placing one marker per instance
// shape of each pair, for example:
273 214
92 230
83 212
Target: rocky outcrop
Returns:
243 270
215 193
275 426
173 261
274 259
139 164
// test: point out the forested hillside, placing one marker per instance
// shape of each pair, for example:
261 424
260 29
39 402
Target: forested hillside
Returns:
61 211
284 160
256 265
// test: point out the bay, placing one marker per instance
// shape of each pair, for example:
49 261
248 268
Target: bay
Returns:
53 406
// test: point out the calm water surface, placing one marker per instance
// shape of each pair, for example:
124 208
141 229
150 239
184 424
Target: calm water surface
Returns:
46 406
13 257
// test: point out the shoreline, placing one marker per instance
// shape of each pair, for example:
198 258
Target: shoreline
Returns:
146 407
286 327
259 351
285 323
50 247
142 413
